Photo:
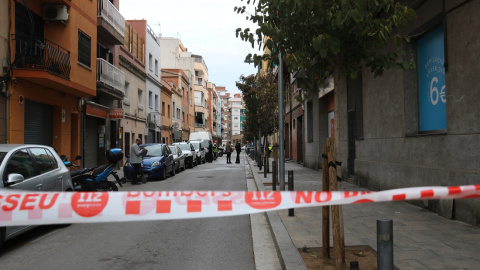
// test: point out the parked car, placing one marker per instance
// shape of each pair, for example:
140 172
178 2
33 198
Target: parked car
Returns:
157 162
178 158
203 136
30 168
200 150
189 153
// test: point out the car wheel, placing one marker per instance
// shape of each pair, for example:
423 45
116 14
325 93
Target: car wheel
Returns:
172 173
178 168
164 173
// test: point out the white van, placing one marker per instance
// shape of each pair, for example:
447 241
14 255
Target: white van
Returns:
204 136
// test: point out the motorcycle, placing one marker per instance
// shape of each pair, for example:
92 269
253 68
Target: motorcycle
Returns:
96 178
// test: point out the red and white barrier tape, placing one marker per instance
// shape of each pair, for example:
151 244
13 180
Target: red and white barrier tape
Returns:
30 208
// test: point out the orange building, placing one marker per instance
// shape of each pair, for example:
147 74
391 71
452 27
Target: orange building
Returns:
181 81
166 120
51 68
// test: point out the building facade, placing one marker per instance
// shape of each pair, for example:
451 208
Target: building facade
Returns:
131 57
202 101
49 72
415 127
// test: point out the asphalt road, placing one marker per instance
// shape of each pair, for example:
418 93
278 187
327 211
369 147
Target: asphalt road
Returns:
212 243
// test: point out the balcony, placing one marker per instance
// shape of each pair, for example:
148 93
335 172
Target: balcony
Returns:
110 23
110 80
43 55
197 125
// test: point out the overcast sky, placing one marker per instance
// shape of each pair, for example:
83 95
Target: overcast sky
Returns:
205 27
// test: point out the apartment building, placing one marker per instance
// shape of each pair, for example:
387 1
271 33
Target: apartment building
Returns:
237 115
131 57
166 113
179 82
153 79
224 97
175 56
201 94
49 69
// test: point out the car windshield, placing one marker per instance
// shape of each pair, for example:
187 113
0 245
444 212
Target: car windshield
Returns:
154 150
184 146
196 145
174 149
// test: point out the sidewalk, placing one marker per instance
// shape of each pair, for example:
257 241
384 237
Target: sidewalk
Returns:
422 239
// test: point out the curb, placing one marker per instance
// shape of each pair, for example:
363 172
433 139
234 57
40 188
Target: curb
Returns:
290 258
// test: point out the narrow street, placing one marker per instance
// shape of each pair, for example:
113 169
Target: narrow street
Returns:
215 243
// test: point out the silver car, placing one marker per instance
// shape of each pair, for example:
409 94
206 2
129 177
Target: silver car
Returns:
189 152
29 167
178 157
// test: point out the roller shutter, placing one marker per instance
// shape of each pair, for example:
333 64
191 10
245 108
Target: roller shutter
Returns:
38 123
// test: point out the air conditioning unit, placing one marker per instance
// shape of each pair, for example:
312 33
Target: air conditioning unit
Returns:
55 13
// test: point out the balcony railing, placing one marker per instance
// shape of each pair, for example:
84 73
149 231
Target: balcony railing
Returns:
197 125
42 55
110 75
110 13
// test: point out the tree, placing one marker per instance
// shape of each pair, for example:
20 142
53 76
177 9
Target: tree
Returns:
329 38
259 94
323 38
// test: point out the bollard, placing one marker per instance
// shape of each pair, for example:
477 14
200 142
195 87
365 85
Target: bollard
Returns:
274 175
384 244
290 188
265 167
260 164
354 265
267 164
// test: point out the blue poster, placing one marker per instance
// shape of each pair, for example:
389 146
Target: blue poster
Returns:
431 81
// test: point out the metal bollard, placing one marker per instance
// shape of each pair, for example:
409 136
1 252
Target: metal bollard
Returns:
290 188
274 175
267 164
384 244
354 265
265 167
260 164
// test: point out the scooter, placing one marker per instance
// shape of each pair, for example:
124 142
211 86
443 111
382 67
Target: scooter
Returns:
96 178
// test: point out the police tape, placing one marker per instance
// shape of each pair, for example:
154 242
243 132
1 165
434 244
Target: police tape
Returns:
36 208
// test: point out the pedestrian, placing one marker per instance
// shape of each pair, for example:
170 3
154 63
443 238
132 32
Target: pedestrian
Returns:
238 147
215 151
210 151
136 160
228 149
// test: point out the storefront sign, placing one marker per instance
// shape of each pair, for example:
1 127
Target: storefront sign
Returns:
432 96
116 113
93 109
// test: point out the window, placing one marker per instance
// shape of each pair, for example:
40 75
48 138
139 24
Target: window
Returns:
156 67
150 63
44 160
127 89
173 109
150 99
20 163
163 108
84 49
432 97
156 103
140 98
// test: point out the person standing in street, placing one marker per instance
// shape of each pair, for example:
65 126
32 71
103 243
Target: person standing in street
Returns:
136 160
228 150
238 147
210 152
